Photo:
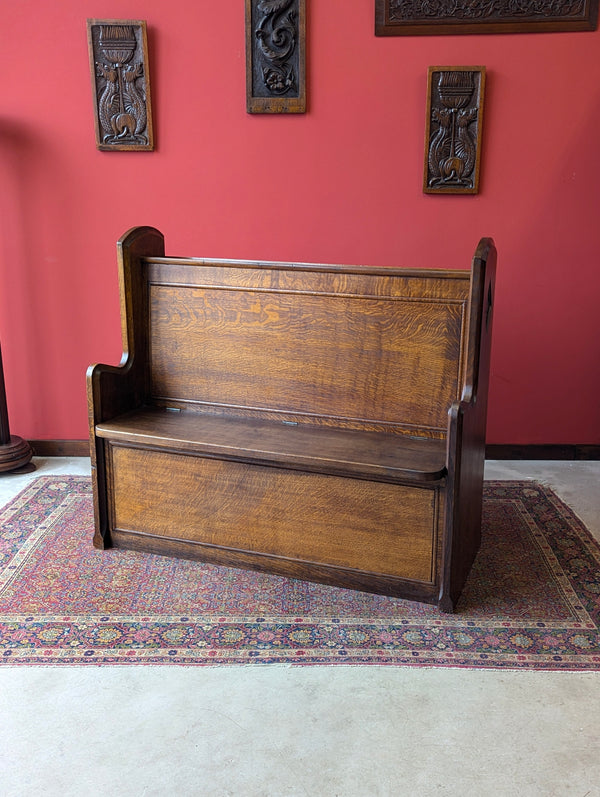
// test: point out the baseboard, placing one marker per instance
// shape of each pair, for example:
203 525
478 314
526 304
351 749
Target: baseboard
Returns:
81 448
60 448
549 451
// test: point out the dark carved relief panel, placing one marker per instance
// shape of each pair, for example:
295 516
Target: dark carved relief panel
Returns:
453 131
120 84
275 56
419 17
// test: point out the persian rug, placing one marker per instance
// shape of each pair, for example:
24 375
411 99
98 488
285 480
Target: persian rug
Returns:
532 600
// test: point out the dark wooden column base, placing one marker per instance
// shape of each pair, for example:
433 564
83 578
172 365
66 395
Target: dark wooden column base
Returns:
16 456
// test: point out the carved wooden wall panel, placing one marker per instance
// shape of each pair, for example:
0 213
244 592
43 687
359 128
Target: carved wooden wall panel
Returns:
276 56
453 130
120 84
424 17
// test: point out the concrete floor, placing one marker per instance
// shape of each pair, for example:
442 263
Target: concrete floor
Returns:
315 731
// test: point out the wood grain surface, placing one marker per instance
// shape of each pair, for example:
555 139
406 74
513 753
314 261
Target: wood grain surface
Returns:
374 455
368 359
302 516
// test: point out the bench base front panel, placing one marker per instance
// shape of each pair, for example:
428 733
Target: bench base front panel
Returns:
368 535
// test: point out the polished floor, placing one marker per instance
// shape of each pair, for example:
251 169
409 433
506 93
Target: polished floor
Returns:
312 731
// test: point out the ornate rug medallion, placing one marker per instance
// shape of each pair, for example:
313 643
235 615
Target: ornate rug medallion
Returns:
532 600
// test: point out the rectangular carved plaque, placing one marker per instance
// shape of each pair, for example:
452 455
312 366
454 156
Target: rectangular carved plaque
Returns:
453 129
276 56
120 84
423 17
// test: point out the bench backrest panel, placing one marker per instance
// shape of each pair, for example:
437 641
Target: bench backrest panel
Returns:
361 348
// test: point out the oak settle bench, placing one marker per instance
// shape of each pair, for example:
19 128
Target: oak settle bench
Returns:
321 422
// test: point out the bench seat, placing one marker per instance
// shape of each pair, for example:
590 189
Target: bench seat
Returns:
371 455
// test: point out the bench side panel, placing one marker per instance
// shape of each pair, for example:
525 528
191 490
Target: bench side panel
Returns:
467 433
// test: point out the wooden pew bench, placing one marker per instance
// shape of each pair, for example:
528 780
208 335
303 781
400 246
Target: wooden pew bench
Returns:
316 421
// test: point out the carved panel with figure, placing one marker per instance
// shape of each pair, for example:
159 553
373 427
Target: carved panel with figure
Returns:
120 84
454 129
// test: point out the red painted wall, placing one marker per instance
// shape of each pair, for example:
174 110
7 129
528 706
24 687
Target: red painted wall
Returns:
339 184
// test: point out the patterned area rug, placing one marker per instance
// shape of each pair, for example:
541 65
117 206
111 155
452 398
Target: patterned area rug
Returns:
532 600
